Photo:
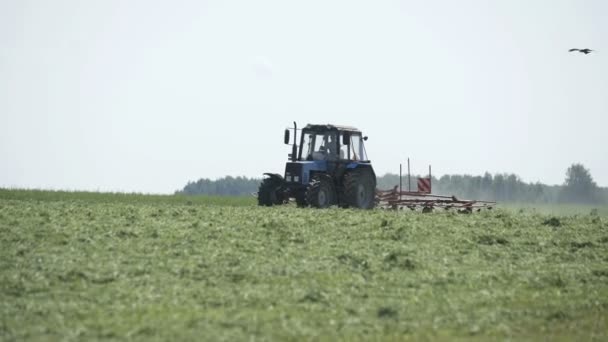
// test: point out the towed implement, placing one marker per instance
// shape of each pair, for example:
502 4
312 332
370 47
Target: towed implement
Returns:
423 198
395 199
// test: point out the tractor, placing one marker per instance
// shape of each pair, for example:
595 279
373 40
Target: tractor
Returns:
328 167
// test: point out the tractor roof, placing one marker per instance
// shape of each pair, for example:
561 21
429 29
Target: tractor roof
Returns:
328 127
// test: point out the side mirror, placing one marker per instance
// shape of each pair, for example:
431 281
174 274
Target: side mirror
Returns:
345 138
364 138
286 138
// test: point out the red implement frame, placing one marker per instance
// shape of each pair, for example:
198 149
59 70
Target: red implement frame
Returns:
423 199
393 199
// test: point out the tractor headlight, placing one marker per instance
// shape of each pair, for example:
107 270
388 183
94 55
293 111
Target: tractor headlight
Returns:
288 176
296 178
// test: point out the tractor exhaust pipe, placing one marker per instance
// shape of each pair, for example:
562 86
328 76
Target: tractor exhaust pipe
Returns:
294 148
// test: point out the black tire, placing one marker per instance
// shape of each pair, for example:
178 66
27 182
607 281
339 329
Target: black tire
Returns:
301 199
269 192
320 192
360 189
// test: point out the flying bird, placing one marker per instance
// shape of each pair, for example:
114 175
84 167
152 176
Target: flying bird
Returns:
585 51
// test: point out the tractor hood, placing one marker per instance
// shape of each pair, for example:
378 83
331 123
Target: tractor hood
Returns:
299 171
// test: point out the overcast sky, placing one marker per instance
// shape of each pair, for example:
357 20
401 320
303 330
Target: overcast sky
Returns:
144 96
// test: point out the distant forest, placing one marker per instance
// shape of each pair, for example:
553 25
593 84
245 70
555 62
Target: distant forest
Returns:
578 187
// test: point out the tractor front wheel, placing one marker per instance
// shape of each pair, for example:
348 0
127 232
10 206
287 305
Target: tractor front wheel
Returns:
320 193
301 199
360 188
269 192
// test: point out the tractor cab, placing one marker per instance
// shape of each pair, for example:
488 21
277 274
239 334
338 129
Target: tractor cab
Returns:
328 166
332 143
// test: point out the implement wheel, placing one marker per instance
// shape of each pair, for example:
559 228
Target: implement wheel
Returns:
360 188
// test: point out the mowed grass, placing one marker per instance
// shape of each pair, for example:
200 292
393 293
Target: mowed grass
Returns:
85 269
561 209
133 198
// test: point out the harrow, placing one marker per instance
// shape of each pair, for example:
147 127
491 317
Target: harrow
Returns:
423 199
395 199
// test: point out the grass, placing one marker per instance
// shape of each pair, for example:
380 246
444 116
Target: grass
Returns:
108 197
557 209
77 267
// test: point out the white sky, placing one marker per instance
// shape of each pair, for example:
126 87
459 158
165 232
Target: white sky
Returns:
146 95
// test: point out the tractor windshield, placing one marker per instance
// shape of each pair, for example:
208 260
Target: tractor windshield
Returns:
319 146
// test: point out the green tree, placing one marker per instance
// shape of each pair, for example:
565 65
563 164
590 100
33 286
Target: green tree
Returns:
579 185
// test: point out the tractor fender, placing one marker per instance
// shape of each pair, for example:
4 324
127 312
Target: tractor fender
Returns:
275 176
356 165
321 175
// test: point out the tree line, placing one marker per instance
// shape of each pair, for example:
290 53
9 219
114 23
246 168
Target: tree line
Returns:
578 187
225 186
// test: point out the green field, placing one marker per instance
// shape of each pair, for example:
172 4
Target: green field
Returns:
83 266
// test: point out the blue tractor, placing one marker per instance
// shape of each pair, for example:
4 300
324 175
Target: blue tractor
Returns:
328 167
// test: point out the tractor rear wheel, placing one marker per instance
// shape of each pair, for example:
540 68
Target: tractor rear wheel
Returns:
360 189
269 192
320 192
